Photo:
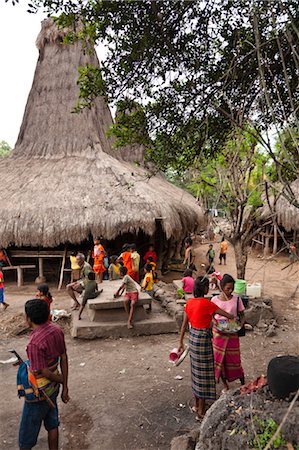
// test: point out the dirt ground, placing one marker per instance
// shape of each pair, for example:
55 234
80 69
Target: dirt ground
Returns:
124 394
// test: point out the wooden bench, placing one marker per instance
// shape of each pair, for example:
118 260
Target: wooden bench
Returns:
20 271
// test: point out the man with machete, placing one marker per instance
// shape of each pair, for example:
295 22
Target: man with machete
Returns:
46 350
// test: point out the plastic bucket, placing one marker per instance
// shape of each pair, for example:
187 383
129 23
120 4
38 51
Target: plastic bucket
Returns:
240 287
254 290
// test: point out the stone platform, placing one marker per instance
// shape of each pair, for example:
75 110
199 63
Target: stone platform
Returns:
105 316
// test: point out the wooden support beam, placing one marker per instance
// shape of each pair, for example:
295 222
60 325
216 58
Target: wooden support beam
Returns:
62 269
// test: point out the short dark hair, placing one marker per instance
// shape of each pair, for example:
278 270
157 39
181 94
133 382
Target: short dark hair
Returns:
43 288
150 258
148 267
188 241
201 285
37 311
123 270
125 247
226 279
91 276
188 273
133 246
113 258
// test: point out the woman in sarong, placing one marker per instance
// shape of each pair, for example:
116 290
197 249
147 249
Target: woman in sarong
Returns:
199 312
98 255
226 346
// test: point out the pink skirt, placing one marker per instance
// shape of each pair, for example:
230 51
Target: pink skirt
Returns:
227 356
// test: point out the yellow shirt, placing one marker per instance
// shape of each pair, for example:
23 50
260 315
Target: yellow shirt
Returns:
148 281
74 265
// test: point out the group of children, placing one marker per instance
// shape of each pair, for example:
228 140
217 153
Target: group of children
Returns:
126 266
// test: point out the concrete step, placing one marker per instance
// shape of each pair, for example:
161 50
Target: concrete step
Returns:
102 302
116 314
155 323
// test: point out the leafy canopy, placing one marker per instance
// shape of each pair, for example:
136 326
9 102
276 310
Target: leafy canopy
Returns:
199 66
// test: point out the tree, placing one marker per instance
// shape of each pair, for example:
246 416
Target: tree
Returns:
192 59
236 179
5 149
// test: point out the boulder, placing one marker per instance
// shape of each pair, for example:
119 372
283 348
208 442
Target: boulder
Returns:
257 312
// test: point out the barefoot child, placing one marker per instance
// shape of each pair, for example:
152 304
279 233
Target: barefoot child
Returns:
90 291
147 284
44 294
2 302
131 296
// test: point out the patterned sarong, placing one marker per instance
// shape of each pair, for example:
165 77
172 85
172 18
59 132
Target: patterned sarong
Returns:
227 356
202 363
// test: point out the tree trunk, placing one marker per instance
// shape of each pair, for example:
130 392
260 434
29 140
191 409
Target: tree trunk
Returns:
275 240
241 255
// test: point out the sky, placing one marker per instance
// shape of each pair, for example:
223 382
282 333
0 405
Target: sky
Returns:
18 32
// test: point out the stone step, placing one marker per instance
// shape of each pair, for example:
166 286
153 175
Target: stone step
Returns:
156 323
102 302
116 314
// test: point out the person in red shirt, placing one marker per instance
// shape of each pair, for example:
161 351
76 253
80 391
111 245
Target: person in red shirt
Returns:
45 350
44 294
199 312
151 252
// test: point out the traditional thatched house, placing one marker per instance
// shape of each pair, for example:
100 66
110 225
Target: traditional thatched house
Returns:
285 217
64 182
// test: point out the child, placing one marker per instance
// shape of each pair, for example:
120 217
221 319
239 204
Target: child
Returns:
2 302
151 252
135 263
131 296
154 265
147 284
188 282
75 274
90 291
126 258
114 269
211 255
189 256
98 255
43 293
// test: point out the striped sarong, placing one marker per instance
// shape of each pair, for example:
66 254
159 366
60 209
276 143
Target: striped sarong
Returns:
202 363
227 356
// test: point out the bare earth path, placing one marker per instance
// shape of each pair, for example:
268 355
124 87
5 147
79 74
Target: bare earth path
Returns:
123 392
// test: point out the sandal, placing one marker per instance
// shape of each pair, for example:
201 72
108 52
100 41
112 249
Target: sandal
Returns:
194 409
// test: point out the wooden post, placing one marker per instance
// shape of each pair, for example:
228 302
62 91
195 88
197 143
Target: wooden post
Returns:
275 240
267 239
20 279
40 278
62 269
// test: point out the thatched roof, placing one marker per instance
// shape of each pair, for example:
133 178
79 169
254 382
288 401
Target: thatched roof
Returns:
64 180
287 215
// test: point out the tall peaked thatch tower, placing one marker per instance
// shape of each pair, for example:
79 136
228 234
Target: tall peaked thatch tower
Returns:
64 181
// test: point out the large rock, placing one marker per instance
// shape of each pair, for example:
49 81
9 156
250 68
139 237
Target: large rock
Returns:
186 441
258 310
228 423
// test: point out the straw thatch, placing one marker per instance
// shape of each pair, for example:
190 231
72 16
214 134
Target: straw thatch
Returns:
286 214
64 181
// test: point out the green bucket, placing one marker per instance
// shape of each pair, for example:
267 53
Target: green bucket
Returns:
240 287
